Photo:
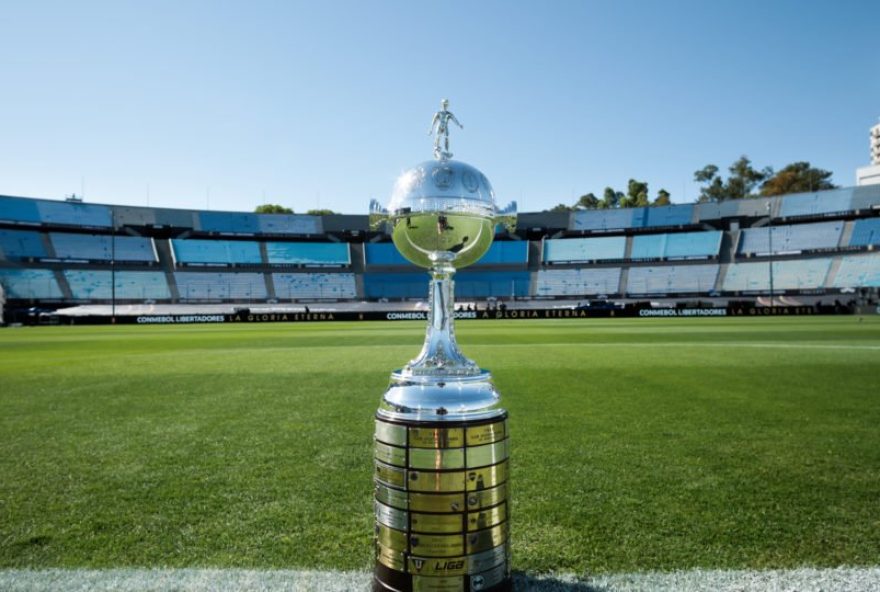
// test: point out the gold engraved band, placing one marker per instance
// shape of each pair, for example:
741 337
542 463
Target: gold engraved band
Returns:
440 437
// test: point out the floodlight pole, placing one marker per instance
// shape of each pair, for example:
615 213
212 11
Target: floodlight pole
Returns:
770 246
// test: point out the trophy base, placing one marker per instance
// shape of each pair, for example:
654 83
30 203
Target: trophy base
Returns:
386 580
441 503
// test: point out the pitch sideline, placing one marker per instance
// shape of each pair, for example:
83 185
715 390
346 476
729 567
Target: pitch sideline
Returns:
842 579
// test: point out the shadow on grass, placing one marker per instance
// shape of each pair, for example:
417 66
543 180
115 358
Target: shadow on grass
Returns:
523 582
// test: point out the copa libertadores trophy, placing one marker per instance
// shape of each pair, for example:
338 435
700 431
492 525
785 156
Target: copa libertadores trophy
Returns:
441 442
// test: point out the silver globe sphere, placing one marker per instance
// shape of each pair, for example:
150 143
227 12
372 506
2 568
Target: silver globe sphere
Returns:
443 210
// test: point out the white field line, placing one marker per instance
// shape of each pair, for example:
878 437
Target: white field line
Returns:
843 579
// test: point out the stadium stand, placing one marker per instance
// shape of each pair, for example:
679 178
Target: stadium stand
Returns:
60 251
683 245
834 201
804 274
677 215
90 247
19 210
501 284
293 286
228 222
576 250
578 282
74 214
215 252
16 245
500 253
130 285
794 238
196 285
858 271
325 254
604 220
672 279
865 232
30 284
289 224
383 254
395 285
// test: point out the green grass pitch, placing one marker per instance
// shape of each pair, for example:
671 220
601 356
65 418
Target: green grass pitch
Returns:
637 444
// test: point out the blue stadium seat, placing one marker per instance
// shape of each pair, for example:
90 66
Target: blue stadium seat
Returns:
90 247
21 244
572 250
648 246
506 253
18 209
215 252
866 197
500 253
858 271
74 214
804 274
821 202
676 215
194 285
289 224
292 286
308 253
793 238
604 220
30 284
229 222
672 279
384 254
578 282
130 285
396 285
500 284
692 245
865 232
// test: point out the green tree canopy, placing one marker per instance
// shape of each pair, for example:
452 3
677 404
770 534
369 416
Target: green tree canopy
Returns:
272 209
636 194
798 177
320 212
743 180
610 199
587 202
662 198
560 207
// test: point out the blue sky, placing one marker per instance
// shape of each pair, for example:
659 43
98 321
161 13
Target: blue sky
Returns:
226 105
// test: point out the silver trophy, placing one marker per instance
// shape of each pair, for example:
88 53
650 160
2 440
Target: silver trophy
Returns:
441 435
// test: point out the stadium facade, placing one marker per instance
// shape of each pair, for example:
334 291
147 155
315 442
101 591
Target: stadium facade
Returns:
800 248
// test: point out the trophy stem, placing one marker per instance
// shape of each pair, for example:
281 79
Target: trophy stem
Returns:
440 354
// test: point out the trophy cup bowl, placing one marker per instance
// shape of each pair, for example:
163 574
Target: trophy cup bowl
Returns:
443 206
441 440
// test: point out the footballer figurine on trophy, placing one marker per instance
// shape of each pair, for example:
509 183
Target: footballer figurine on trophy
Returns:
441 440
